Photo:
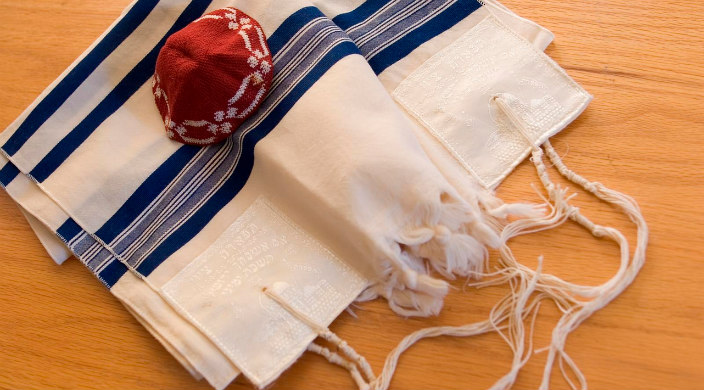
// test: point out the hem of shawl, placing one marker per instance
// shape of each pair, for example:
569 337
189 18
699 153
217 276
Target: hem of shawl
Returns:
194 350
296 353
55 248
214 376
542 37
165 343
300 346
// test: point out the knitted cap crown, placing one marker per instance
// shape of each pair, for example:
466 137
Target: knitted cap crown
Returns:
211 76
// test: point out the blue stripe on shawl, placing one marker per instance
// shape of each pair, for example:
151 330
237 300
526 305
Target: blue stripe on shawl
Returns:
114 100
173 169
237 180
51 103
8 173
364 11
400 46
436 26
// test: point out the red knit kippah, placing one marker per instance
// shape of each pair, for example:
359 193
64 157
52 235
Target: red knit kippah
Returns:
211 76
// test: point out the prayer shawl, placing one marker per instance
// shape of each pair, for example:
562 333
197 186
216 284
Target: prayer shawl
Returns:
367 171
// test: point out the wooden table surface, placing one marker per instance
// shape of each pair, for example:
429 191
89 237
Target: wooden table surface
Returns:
643 135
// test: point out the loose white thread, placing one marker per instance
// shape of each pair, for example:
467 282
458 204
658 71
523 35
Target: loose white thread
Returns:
355 359
336 359
569 296
573 300
509 313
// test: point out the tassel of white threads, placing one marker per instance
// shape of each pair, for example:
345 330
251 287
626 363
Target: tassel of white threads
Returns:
603 294
446 235
510 312
506 318
508 315
578 302
451 237
408 288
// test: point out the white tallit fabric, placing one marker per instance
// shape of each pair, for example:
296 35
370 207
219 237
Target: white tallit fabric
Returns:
483 96
89 160
346 188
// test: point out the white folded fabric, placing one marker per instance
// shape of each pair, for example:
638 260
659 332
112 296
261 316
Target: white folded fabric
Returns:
371 162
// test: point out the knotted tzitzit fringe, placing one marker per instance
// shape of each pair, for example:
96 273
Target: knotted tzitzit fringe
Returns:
570 298
577 302
508 314
606 292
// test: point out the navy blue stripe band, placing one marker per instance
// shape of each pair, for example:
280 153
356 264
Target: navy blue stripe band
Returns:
440 23
290 26
146 192
115 99
113 270
48 106
165 174
244 168
349 19
69 230
407 42
8 173
112 273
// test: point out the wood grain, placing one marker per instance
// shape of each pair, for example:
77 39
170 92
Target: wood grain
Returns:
643 135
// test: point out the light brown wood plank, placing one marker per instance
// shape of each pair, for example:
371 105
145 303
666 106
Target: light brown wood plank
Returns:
643 135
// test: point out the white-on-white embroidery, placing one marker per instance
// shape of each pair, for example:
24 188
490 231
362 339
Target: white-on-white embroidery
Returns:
490 98
458 85
221 290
